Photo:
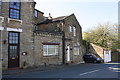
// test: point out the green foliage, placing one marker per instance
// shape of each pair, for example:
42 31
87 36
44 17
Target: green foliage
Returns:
85 43
103 35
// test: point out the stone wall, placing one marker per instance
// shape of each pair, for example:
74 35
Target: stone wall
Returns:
51 27
27 15
26 35
44 37
39 18
70 40
1 20
96 50
76 41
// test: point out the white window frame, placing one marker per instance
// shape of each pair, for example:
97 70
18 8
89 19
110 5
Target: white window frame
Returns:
74 31
76 51
70 28
14 29
35 13
46 52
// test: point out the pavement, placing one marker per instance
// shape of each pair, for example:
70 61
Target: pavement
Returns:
73 71
34 69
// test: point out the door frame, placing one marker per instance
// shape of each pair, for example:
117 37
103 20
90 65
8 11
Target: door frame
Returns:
68 54
18 49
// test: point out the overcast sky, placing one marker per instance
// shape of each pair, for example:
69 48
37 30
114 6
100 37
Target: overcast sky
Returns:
88 13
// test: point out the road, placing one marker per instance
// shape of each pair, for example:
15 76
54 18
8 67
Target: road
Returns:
87 70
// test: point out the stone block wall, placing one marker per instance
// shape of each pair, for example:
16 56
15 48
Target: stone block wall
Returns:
96 50
39 18
76 41
42 37
26 35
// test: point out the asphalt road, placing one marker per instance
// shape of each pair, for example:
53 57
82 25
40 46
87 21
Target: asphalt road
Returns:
110 70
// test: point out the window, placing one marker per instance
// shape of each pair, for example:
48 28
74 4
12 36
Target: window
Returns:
0 7
13 38
70 27
76 51
35 14
14 11
13 51
74 31
49 50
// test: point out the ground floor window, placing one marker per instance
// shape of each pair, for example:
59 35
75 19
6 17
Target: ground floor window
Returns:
76 51
49 50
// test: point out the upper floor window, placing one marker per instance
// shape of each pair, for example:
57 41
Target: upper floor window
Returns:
70 27
74 31
35 14
14 11
0 6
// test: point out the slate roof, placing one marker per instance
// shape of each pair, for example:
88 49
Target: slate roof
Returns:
39 11
58 19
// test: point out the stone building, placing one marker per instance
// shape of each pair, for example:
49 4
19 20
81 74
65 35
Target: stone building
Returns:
71 36
17 36
47 48
25 44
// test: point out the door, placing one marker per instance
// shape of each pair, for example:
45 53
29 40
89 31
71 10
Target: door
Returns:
107 56
13 50
68 53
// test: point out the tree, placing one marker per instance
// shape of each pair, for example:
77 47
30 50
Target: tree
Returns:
105 35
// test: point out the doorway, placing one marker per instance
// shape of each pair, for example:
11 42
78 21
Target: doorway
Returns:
13 49
68 53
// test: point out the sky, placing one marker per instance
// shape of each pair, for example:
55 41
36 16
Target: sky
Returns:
88 13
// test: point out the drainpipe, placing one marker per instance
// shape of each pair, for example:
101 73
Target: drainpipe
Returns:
1 57
63 50
1 42
33 45
63 43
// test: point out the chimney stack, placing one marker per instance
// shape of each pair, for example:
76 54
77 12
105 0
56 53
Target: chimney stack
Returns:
49 17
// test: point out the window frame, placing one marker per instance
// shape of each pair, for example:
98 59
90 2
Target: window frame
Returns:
77 51
15 9
13 37
48 47
74 31
35 13
70 28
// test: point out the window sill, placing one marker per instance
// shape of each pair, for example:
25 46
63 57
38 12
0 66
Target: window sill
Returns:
10 19
49 55
76 55
14 29
2 18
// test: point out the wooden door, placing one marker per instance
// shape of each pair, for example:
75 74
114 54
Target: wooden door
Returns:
13 50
